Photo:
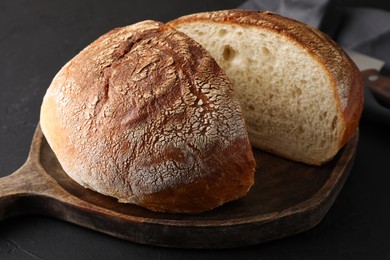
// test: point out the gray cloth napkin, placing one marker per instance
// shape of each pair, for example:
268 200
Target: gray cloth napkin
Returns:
310 12
361 29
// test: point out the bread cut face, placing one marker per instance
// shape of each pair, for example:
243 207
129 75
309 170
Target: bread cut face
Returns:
145 114
301 95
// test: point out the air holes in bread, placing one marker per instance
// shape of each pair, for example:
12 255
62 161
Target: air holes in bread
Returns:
265 51
200 33
221 32
228 53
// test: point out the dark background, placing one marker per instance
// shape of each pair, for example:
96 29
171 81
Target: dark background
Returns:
38 37
380 4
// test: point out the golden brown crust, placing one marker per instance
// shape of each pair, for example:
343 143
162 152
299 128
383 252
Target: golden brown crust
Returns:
210 190
347 87
354 108
145 111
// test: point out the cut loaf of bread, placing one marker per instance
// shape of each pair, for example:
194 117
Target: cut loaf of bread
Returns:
145 114
301 95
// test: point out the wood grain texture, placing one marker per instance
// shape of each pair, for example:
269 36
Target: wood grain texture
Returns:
287 198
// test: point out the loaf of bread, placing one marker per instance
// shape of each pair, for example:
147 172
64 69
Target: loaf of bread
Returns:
144 114
301 95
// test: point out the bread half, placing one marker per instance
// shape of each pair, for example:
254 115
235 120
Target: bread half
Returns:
145 114
301 95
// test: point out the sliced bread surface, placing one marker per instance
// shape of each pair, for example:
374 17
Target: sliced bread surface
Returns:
301 95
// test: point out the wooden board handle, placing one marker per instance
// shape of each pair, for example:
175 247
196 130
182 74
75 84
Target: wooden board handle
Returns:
17 186
32 190
29 188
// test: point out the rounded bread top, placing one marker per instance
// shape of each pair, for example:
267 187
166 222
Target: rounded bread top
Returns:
142 109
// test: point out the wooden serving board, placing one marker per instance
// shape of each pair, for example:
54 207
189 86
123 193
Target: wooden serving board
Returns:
287 198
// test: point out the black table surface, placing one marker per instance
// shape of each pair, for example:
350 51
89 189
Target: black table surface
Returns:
38 37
